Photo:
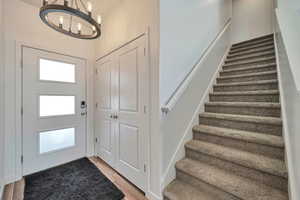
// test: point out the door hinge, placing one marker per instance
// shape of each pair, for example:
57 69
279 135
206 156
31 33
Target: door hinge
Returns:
96 140
144 51
145 168
96 71
22 159
21 63
96 105
145 109
22 111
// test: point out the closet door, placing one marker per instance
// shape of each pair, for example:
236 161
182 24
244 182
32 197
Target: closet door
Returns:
131 118
121 112
105 107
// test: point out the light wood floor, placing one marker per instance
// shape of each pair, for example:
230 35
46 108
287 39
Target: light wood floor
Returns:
130 191
15 191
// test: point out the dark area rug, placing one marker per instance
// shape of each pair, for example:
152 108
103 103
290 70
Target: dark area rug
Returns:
77 180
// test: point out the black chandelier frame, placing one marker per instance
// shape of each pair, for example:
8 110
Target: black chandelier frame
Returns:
58 8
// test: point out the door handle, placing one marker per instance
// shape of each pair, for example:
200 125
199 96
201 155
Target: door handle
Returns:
83 113
116 117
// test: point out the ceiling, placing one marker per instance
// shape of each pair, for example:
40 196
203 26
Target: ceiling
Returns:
100 6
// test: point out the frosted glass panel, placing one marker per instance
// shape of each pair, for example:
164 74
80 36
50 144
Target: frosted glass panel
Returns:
57 105
57 71
56 139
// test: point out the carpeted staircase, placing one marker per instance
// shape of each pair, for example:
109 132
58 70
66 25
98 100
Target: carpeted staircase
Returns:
238 150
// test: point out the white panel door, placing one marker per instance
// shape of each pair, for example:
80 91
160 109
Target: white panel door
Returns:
121 95
104 93
54 109
132 96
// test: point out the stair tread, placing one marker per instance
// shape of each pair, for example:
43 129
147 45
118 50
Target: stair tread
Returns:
253 137
258 46
252 56
250 61
251 44
178 190
251 160
246 118
255 39
239 186
248 83
257 92
247 75
249 68
245 104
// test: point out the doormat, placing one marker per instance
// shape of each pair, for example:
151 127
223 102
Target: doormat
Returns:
77 180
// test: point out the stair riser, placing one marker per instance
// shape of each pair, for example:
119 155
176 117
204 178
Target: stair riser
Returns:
245 98
242 125
258 111
235 49
273 152
248 58
248 71
270 86
248 78
268 179
251 52
197 183
248 64
251 43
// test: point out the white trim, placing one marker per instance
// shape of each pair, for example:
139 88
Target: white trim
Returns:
18 104
1 192
288 156
152 196
179 91
169 175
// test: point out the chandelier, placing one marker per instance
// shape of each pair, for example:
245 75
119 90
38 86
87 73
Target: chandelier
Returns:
71 17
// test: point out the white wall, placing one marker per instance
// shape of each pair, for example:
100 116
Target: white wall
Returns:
186 30
290 100
22 23
1 101
288 14
123 23
251 19
178 123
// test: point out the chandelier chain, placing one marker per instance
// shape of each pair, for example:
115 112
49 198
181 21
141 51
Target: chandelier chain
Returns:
84 6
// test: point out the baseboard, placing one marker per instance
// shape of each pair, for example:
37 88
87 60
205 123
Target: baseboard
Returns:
152 196
180 152
1 192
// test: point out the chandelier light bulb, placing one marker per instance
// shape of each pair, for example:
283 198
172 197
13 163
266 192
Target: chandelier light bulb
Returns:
79 26
89 6
99 19
61 20
94 29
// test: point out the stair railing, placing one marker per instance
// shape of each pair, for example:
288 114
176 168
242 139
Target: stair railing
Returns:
180 89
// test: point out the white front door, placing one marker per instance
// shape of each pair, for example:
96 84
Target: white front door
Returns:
122 119
54 109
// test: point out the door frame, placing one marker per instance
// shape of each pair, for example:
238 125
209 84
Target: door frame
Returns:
19 45
148 83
